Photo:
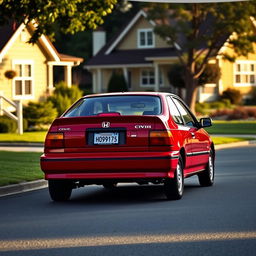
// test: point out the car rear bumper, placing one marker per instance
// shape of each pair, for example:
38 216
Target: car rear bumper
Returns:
121 165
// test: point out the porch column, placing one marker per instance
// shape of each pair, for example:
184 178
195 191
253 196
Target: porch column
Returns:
125 73
156 66
68 75
94 81
50 78
99 80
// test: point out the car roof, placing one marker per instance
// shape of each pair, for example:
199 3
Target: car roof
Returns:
128 94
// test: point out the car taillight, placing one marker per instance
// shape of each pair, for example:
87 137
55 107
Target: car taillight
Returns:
54 140
160 138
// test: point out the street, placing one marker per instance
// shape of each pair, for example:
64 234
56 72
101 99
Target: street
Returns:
138 220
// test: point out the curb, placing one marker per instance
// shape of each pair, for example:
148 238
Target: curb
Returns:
21 144
40 184
236 144
22 187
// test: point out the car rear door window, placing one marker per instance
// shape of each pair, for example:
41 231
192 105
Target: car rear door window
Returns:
189 119
174 111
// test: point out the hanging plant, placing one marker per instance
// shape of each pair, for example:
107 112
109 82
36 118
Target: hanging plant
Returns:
10 74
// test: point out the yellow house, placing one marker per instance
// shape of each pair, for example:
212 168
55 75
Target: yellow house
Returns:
32 64
144 59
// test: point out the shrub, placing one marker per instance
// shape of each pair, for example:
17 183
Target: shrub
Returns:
38 114
239 113
63 96
252 99
200 108
7 125
233 95
117 83
217 105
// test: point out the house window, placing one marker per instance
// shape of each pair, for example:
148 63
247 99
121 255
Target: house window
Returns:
146 38
147 78
245 74
23 82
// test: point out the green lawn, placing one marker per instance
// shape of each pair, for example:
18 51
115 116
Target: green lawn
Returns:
219 127
232 127
19 166
25 137
224 140
16 167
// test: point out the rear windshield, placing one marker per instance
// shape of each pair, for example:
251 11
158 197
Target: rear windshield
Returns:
123 105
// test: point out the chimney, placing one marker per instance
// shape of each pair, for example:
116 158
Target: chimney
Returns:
98 40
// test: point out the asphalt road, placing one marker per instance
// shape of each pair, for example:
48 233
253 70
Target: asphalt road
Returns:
138 220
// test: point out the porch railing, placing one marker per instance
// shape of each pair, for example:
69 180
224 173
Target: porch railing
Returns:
18 106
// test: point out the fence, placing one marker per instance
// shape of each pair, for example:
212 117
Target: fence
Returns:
18 106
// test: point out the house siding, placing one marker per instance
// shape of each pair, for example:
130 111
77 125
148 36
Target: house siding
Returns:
130 40
228 72
22 51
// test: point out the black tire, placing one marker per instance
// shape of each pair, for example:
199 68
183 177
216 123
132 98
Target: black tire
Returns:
206 177
174 188
60 190
109 185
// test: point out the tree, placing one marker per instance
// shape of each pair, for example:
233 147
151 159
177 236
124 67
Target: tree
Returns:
63 97
176 75
117 83
71 16
198 31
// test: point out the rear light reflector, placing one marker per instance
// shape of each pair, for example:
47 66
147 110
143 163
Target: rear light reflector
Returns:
160 138
54 140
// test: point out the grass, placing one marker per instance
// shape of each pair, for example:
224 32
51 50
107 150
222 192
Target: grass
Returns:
17 167
233 127
219 127
25 137
225 140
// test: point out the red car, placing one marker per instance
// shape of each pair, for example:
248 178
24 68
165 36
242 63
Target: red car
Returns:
141 137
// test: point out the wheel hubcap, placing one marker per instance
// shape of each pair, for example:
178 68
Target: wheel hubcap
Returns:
179 179
211 169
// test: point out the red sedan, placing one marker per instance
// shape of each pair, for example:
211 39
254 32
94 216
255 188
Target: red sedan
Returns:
143 137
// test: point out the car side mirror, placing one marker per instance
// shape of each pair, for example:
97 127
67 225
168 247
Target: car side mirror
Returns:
205 122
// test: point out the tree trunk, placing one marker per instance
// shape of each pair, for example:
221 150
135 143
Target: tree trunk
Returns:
191 91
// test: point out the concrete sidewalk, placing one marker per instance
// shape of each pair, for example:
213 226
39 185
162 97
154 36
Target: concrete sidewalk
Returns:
39 184
21 146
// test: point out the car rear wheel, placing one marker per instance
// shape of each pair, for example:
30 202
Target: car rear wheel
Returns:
60 190
206 178
174 187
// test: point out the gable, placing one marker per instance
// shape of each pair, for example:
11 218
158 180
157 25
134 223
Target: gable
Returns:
128 38
20 49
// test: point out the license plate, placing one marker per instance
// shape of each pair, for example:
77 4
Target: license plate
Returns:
106 138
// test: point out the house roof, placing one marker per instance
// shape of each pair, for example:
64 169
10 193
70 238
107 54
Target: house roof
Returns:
133 56
6 33
110 55
9 33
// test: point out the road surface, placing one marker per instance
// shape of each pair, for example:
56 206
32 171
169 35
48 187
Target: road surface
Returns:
138 220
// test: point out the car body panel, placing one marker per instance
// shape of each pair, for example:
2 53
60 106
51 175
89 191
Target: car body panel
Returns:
133 158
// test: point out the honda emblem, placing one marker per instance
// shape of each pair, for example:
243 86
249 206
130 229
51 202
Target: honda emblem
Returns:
105 124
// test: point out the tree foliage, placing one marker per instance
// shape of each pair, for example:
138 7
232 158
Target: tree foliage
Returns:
197 31
63 97
39 113
71 16
117 83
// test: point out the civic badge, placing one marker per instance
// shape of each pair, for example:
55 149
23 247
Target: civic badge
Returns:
105 124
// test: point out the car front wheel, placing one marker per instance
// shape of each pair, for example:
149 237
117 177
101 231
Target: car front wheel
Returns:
206 177
174 187
60 190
